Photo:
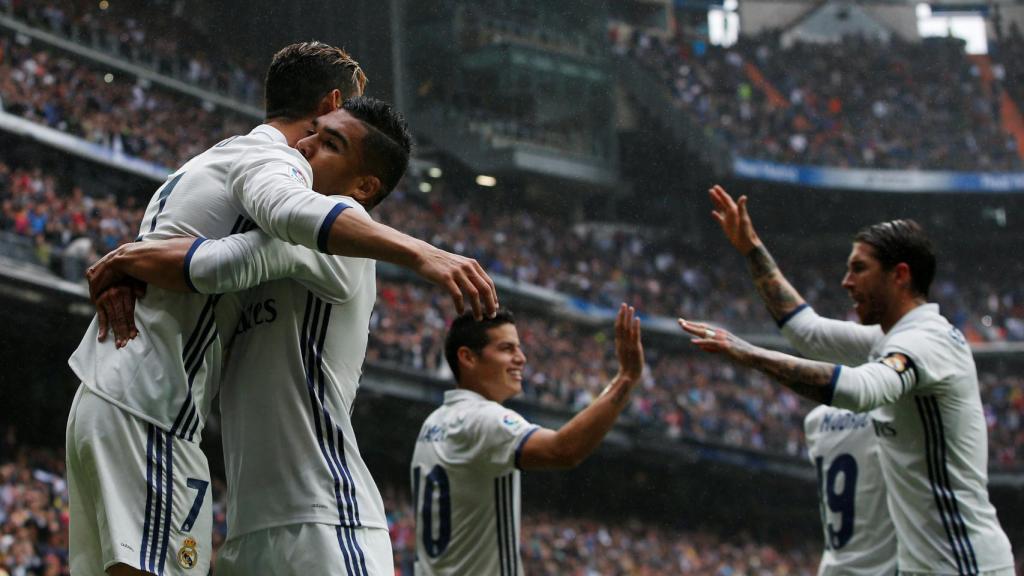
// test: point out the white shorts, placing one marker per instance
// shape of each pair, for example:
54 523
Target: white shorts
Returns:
308 550
138 496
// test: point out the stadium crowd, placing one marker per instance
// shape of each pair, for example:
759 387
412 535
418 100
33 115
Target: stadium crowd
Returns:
126 31
601 268
129 117
684 396
34 534
687 396
845 121
589 547
856 103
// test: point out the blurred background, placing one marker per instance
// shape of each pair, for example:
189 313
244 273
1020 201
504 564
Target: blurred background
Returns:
568 146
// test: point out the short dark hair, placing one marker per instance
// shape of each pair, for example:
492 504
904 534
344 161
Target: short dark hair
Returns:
471 333
387 144
301 74
902 241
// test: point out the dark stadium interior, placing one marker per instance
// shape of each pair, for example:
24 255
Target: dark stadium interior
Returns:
603 124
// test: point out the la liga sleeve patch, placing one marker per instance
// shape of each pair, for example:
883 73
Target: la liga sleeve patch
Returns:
513 422
298 177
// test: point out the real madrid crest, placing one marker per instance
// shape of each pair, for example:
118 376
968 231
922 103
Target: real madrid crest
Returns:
188 556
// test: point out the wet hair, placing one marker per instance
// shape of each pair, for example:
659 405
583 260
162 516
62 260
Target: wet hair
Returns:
902 241
301 74
467 331
387 144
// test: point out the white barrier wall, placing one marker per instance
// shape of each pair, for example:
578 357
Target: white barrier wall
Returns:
756 16
1011 13
900 19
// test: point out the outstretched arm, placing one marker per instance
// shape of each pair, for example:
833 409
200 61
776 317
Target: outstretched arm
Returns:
778 294
857 388
572 443
808 378
355 234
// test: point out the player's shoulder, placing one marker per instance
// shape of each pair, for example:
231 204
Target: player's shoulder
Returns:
483 416
924 335
258 155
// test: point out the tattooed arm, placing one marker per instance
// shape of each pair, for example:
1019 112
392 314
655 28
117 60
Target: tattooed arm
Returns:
808 378
778 294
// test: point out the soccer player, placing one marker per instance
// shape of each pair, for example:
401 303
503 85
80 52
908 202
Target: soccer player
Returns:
859 536
137 478
300 498
907 365
465 468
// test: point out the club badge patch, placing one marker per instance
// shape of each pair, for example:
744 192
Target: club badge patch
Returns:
188 555
904 368
897 362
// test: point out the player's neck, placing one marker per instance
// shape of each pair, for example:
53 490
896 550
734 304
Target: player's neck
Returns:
900 310
293 130
482 390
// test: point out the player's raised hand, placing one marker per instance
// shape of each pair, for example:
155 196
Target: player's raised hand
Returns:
628 347
462 277
734 219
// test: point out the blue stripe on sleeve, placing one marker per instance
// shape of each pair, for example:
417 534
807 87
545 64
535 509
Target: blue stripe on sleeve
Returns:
782 321
325 228
188 263
522 442
832 384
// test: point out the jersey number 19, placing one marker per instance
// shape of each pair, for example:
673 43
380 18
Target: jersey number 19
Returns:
839 502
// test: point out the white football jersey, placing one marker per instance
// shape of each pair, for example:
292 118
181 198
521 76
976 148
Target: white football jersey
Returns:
921 384
465 485
290 382
169 374
859 536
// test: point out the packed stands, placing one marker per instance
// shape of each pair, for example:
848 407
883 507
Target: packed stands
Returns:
130 117
126 31
684 396
687 396
857 103
34 532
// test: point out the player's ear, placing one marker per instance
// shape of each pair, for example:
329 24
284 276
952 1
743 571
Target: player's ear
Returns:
901 273
367 190
466 356
330 102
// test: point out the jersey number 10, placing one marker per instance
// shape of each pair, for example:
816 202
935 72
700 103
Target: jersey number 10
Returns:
435 489
840 503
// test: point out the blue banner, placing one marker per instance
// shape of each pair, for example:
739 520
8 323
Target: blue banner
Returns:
879 180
